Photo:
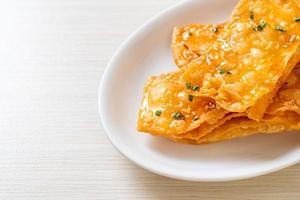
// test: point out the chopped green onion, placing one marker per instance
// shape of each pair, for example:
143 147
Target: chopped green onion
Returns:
192 87
280 28
157 113
191 97
195 88
221 71
214 29
188 85
178 115
261 26
251 13
297 19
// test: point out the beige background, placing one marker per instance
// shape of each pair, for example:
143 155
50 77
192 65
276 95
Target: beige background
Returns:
52 56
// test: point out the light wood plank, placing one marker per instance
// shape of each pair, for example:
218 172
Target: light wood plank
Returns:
52 145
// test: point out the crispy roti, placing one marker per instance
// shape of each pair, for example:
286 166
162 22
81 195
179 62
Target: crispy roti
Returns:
168 109
249 56
241 127
191 41
246 61
283 114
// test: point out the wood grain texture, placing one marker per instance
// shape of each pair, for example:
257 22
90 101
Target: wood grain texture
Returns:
52 146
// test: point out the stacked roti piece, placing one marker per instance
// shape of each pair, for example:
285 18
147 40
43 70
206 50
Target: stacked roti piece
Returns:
234 79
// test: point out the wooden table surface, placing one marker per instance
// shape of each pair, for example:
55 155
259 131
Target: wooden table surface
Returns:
52 146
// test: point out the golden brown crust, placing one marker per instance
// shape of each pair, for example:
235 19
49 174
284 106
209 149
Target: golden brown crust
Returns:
236 68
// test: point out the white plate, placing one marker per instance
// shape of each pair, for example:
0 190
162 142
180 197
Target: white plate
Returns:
147 52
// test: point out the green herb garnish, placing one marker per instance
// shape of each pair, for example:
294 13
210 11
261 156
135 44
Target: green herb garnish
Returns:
157 113
178 115
191 97
214 29
261 26
188 85
195 88
251 13
297 19
223 71
192 87
280 28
